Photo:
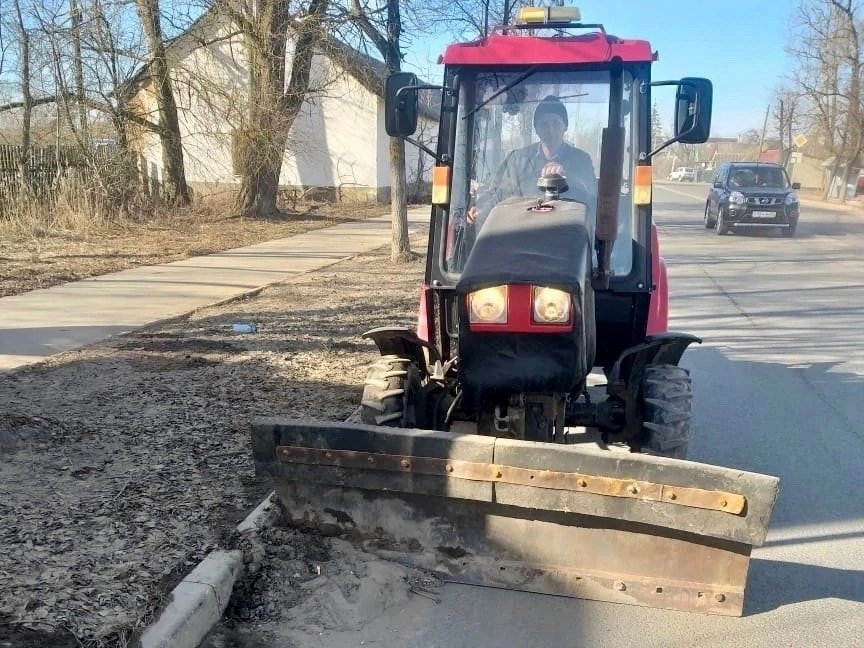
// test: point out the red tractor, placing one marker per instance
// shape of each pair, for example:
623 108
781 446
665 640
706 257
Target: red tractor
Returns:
532 282
543 316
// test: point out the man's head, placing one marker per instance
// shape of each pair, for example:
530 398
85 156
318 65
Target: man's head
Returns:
550 121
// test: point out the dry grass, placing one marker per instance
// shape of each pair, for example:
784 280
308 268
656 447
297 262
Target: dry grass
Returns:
42 246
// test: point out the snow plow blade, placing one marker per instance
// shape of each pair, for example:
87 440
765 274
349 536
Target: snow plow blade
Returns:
537 517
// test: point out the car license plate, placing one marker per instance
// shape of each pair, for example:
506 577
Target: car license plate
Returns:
764 214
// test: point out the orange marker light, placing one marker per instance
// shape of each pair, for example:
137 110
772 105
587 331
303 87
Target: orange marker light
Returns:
642 185
440 185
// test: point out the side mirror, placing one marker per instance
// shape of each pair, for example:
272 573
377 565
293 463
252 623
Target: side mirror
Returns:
693 110
796 185
400 104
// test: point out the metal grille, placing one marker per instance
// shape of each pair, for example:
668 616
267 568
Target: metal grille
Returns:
764 201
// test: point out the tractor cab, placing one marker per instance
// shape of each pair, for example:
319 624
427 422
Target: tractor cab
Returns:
513 126
551 95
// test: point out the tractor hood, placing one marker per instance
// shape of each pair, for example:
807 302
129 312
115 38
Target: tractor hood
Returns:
523 243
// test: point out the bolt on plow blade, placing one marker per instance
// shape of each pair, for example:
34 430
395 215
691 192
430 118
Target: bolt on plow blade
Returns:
536 517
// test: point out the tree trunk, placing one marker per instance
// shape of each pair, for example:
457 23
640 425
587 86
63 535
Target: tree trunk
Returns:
174 187
75 14
400 249
27 100
387 41
273 106
263 141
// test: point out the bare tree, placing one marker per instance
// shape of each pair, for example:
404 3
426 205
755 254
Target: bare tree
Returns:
78 63
827 49
382 25
656 126
174 187
466 18
787 117
848 31
272 104
27 98
81 56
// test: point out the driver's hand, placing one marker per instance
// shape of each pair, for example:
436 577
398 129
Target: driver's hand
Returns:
472 214
552 167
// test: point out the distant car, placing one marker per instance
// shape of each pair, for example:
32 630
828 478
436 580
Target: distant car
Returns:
752 195
683 174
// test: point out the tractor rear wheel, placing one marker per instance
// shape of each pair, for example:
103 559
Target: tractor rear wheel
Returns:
666 410
390 393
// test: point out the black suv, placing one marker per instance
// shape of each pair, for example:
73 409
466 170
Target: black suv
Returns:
751 195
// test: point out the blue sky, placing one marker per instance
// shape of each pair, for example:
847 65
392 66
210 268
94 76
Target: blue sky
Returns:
738 44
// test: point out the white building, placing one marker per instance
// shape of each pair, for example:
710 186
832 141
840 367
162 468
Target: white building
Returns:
337 145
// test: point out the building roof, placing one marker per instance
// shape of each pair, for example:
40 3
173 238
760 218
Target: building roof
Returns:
370 72
774 156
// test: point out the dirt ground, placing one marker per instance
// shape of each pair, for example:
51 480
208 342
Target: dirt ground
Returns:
34 258
124 463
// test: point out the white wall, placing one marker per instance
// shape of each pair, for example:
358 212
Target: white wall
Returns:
211 92
337 140
333 140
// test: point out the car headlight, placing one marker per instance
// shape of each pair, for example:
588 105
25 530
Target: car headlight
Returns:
791 198
551 306
488 305
737 198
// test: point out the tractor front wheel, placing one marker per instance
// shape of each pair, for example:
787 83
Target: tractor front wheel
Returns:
666 411
390 393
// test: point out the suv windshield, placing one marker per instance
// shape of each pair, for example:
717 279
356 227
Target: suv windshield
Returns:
507 137
758 176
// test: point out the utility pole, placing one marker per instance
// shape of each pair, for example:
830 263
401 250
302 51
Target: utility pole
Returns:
784 152
764 128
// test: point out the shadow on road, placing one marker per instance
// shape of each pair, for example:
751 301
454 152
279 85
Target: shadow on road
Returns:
794 421
774 584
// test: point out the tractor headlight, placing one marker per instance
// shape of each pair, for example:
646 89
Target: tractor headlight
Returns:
737 198
488 305
551 306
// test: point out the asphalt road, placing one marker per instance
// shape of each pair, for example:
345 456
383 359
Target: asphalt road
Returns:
778 389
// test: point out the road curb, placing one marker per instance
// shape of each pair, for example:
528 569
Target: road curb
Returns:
197 603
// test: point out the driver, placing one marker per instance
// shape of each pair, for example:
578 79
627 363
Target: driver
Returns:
518 174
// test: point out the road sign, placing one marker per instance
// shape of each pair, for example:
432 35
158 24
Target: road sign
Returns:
800 140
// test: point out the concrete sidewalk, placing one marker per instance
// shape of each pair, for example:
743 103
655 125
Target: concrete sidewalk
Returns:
43 322
851 207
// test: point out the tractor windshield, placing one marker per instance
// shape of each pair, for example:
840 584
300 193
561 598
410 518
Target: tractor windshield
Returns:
513 127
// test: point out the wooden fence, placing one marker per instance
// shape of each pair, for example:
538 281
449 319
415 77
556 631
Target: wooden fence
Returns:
45 164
